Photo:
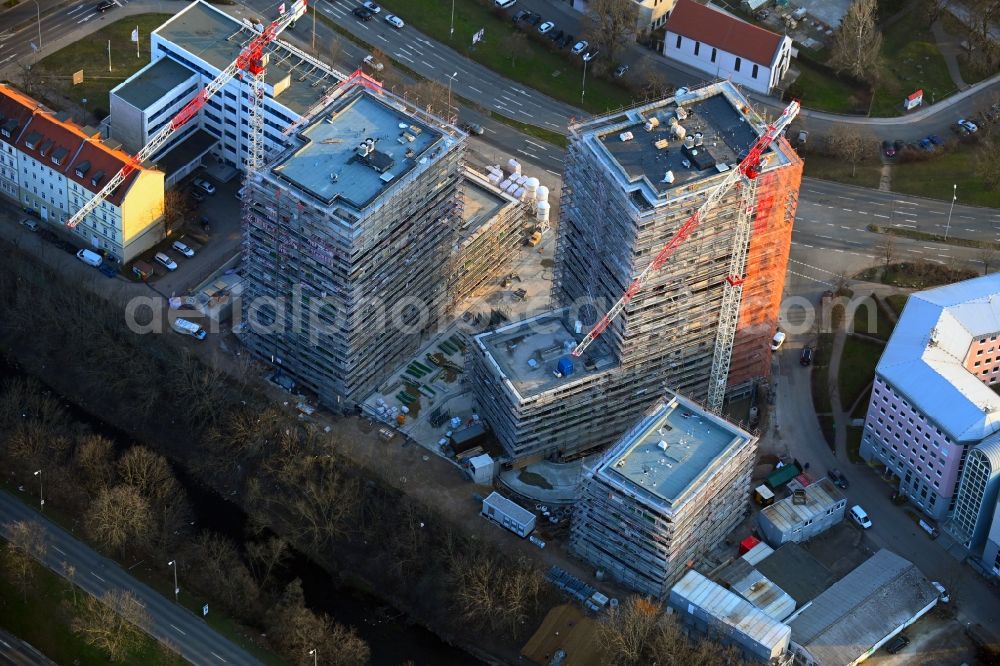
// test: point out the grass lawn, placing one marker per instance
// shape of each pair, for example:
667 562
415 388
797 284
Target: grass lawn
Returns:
861 408
44 621
882 324
934 178
896 302
533 64
821 90
831 168
913 61
826 424
91 55
923 275
857 368
854 444
959 31
820 392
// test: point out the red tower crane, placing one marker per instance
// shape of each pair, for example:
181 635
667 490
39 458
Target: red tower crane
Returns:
252 62
746 172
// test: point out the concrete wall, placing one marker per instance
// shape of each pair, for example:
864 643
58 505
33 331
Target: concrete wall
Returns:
724 65
127 124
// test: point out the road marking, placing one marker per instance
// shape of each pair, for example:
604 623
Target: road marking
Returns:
829 224
7 644
846 227
837 249
428 64
217 656
534 157
905 203
179 631
476 89
813 191
75 10
58 550
403 57
554 173
946 256
968 229
552 125
914 251
98 577
908 226
936 212
809 277
537 145
491 131
903 212
965 217
513 101
928 247
382 37
826 237
880 215
861 212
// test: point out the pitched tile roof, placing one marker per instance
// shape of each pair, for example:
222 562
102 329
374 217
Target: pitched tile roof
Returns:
63 146
15 112
726 33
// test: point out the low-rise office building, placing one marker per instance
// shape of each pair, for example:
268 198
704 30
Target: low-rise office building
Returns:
804 514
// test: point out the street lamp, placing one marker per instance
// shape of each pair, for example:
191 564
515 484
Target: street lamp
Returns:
583 86
954 197
315 656
38 11
177 590
41 493
450 79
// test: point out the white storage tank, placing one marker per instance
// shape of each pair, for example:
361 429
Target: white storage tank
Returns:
542 194
530 188
542 211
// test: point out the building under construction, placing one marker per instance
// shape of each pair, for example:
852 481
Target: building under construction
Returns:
670 490
632 180
491 232
347 242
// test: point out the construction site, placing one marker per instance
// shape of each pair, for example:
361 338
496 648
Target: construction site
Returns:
653 185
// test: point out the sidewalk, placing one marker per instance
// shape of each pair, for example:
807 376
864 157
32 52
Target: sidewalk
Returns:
170 623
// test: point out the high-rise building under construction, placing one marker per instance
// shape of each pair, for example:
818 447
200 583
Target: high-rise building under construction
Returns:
631 180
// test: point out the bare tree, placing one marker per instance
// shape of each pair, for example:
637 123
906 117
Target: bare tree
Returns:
988 163
333 51
320 497
626 630
851 143
265 557
934 9
652 84
857 45
987 255
223 575
25 545
611 24
490 592
887 249
29 76
516 43
429 95
69 573
296 631
178 210
119 517
114 623
93 462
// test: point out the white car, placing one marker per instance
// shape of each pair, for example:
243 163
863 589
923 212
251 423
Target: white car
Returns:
204 185
373 63
504 4
372 7
165 261
860 516
777 341
579 47
546 27
968 124
394 21
183 249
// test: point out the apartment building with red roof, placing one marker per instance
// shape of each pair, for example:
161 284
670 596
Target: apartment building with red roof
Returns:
52 166
723 46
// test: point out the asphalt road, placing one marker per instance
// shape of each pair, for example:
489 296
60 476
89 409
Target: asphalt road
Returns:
190 635
15 652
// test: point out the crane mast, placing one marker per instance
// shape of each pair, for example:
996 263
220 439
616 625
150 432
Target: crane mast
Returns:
252 60
745 173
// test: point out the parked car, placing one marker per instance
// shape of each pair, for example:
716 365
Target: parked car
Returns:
373 63
105 5
803 137
968 124
859 516
837 478
473 128
806 358
888 150
556 35
183 249
897 644
546 27
197 196
520 15
534 19
363 13
29 224
164 260
579 47
899 145
936 140
620 71
566 40
371 6
108 269
777 340
204 185
394 21
89 258
504 4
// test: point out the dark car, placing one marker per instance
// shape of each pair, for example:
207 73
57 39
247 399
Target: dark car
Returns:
837 478
473 128
105 5
620 71
807 356
936 140
898 145
897 644
534 20
108 269
520 15
888 150
48 236
555 36
363 13
566 41
197 196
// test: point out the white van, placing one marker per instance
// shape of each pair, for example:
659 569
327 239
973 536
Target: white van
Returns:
860 517
89 258
187 327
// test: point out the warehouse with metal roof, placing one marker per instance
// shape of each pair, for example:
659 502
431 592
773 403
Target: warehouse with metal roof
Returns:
858 614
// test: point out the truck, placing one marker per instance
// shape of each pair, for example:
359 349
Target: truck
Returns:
186 327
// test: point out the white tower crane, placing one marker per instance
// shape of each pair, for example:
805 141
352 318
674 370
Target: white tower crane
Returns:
745 173
252 62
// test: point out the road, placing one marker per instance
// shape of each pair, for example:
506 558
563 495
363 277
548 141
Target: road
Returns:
190 635
15 652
